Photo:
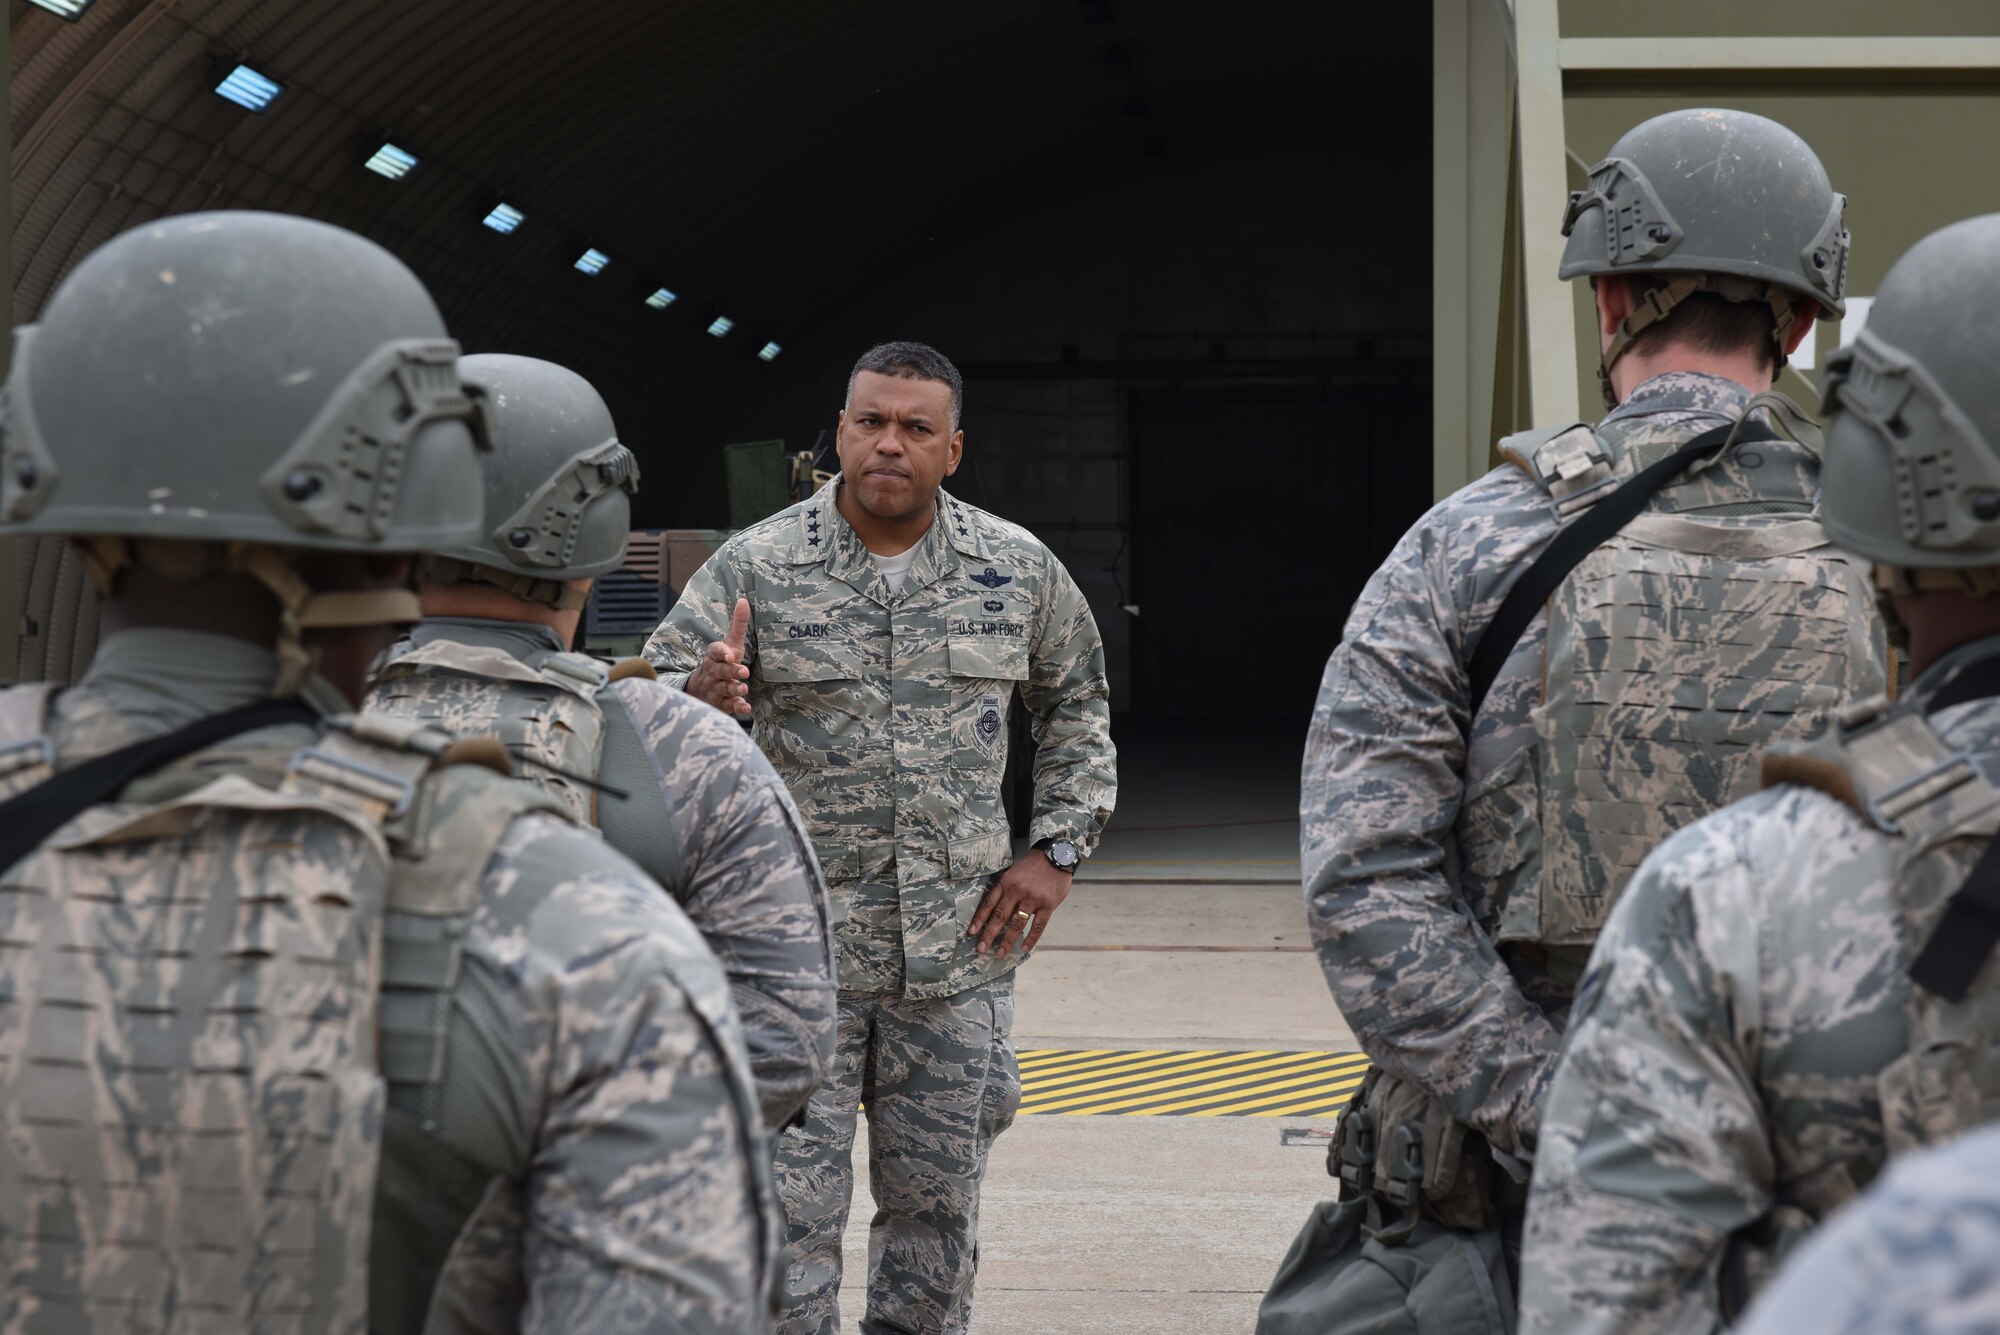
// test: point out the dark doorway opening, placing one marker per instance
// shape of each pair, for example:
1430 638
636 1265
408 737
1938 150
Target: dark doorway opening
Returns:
1258 513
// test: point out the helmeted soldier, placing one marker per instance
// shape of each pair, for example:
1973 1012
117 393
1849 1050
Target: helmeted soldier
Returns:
309 1025
673 784
879 632
1796 988
1556 667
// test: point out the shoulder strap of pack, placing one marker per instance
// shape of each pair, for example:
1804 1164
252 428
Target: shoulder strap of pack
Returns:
31 817
1568 462
582 673
1578 539
632 810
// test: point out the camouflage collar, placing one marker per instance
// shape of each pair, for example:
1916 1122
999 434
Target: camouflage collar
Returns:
822 534
1683 392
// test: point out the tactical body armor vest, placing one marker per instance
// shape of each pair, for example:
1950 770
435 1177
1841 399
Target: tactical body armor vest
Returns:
208 985
554 713
1675 650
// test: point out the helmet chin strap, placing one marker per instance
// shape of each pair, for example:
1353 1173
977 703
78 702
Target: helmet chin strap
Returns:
300 608
1659 302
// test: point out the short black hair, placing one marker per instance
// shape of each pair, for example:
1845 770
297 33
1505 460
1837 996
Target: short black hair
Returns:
912 361
1710 322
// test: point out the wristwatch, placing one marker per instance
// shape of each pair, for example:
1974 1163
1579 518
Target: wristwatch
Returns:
1061 853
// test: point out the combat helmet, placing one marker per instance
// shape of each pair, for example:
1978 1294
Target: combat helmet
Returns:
1710 200
1912 472
218 390
558 486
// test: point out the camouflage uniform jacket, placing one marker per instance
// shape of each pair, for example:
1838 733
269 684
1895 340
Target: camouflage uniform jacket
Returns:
592 1066
744 868
1719 1091
887 716
1405 928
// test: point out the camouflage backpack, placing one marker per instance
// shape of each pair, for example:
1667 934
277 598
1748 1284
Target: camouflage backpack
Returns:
1677 648
557 720
207 982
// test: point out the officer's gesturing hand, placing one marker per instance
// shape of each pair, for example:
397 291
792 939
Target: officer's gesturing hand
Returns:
1023 900
722 679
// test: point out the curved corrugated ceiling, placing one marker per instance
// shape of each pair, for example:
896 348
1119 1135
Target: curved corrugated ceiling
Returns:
768 159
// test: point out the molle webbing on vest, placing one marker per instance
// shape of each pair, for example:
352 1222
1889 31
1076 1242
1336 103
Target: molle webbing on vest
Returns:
544 709
1679 644
187 1080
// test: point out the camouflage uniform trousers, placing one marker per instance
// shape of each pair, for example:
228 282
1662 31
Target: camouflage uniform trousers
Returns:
939 1080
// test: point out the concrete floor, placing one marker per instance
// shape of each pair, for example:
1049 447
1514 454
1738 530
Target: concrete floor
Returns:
1162 1225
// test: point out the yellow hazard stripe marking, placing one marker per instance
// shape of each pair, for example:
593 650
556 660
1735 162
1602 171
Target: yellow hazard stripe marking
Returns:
1153 1082
1065 1063
1248 1079
1102 1077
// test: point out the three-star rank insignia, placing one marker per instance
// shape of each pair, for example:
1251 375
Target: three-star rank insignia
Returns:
992 578
812 527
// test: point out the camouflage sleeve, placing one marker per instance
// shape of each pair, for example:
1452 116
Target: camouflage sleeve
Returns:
698 618
1422 987
1655 1147
646 1193
1069 710
754 889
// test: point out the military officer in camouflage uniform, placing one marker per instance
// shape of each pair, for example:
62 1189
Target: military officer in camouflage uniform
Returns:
672 784
1797 987
311 1026
878 634
1459 851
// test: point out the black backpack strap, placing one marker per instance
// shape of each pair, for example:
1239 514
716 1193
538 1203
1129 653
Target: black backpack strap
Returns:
1578 539
30 818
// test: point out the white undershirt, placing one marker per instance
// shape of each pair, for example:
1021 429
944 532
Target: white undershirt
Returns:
894 568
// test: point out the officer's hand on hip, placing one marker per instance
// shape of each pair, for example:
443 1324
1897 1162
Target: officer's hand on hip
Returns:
1022 900
722 680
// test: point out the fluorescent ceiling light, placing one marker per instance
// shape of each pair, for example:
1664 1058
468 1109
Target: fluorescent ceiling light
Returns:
721 325
249 89
592 261
660 300
504 218
769 352
391 162
68 10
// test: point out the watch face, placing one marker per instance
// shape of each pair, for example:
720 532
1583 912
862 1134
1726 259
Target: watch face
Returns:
1063 853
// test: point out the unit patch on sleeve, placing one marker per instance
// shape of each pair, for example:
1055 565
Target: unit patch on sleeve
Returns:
987 725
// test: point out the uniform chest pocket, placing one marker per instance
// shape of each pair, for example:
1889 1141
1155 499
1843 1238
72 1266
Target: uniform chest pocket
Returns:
809 660
988 658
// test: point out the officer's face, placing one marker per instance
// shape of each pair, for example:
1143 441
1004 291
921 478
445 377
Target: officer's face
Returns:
896 444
